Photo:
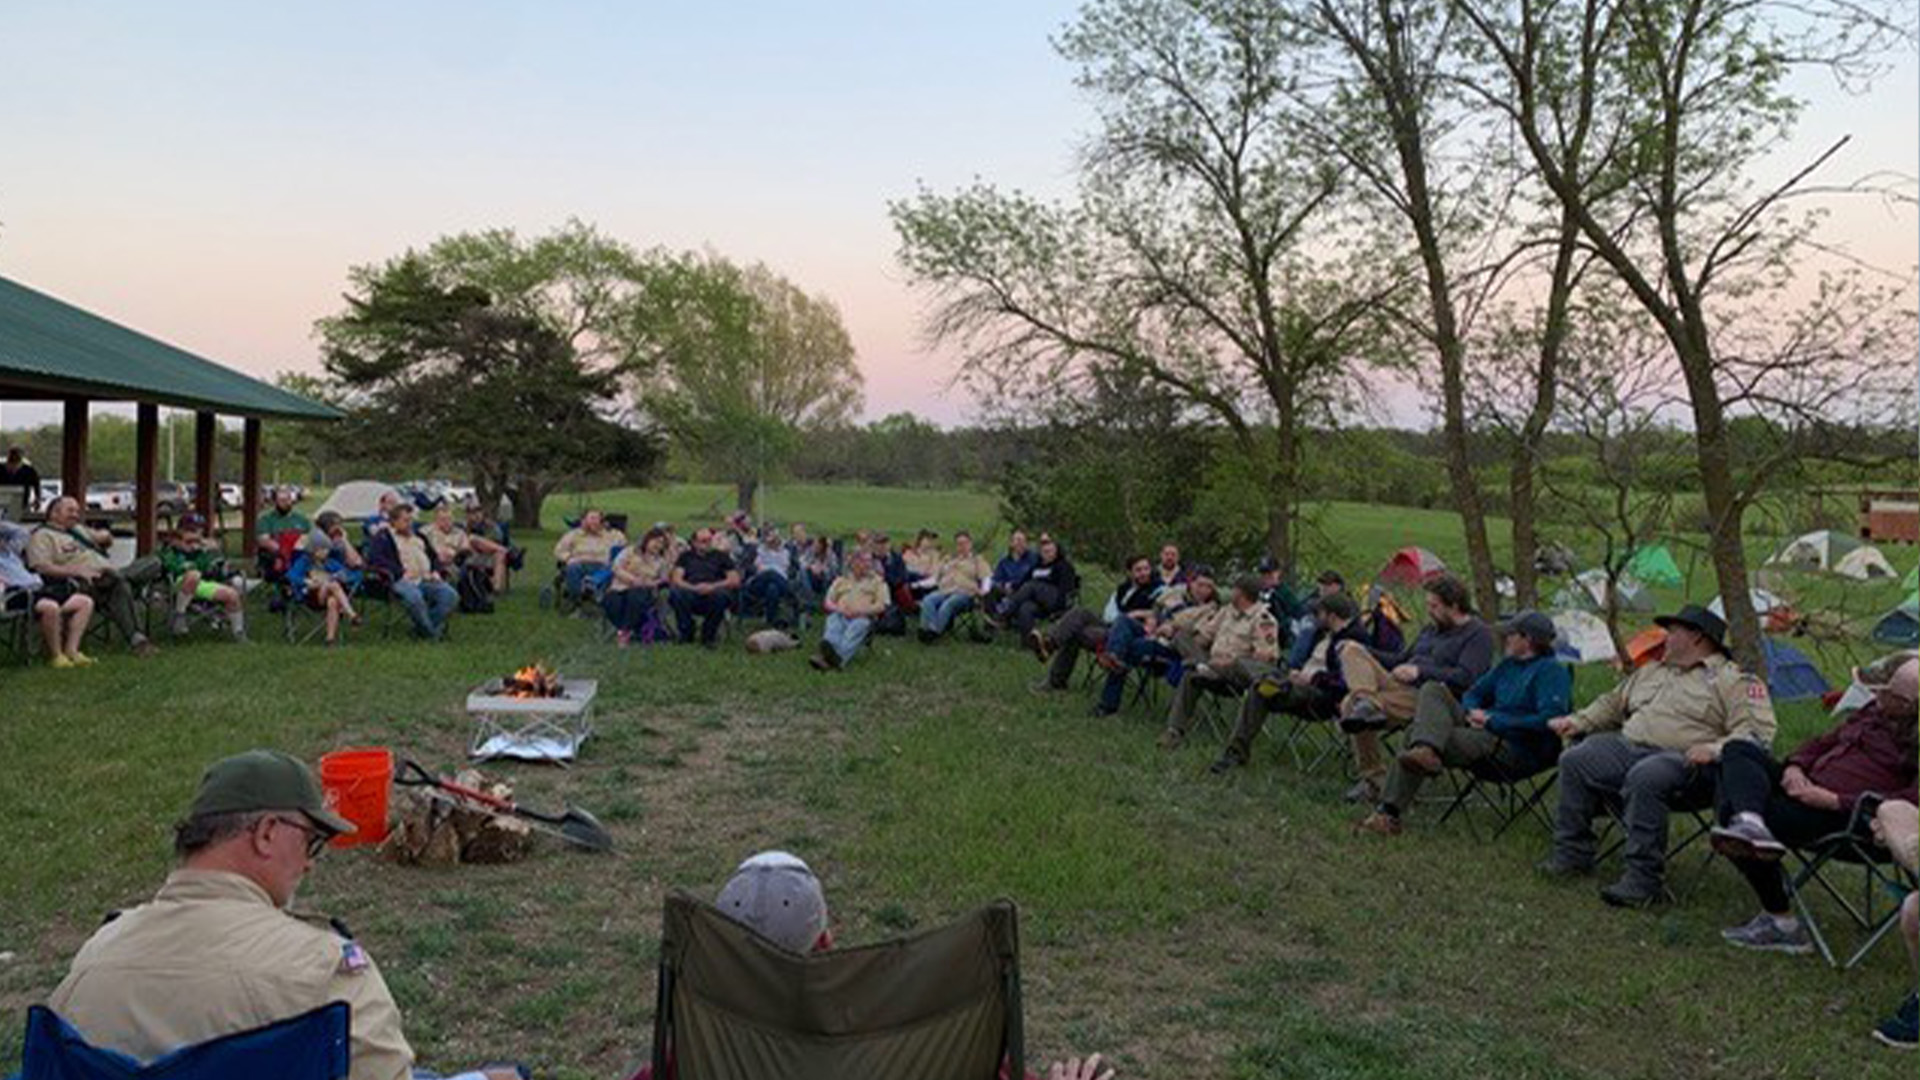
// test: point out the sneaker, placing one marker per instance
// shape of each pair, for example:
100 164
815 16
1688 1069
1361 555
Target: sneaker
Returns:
177 626
81 659
1422 759
1899 1030
1630 894
1764 934
144 648
1747 837
1100 710
1043 685
1379 823
818 664
1228 761
1366 791
1042 648
1268 687
1170 739
1554 866
60 661
1364 716
623 638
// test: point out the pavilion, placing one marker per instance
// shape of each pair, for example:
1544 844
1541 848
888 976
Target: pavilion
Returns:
53 351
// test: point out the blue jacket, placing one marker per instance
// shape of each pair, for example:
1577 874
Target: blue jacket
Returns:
1011 572
1520 696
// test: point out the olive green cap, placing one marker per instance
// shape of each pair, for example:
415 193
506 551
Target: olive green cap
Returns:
265 780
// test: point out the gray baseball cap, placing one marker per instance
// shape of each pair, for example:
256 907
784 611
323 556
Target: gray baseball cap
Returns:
1533 626
775 895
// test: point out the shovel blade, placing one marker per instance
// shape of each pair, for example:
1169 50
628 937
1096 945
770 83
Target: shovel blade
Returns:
583 829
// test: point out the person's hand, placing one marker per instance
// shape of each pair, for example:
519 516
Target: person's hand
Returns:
1794 781
1561 726
1477 718
1817 797
1406 673
1093 1068
1702 754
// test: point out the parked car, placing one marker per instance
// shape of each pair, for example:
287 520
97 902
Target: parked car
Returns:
50 490
230 496
171 499
110 498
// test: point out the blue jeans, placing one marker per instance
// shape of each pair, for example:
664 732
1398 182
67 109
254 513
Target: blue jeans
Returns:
938 611
771 592
428 604
576 575
1136 648
627 609
845 635
1305 635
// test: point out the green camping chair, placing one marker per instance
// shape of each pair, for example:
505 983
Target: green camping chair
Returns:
943 1004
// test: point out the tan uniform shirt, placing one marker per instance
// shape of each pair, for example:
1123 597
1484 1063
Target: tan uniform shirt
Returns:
1675 708
52 547
921 562
580 545
450 543
211 955
414 561
858 597
643 571
962 574
1243 635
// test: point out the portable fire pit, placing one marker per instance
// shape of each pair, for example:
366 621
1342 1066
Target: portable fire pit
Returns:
531 715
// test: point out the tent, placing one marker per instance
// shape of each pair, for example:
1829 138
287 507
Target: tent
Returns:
1814 551
1913 579
1790 675
356 499
1589 593
1655 566
1647 646
1901 626
1411 566
1865 563
1581 637
1763 602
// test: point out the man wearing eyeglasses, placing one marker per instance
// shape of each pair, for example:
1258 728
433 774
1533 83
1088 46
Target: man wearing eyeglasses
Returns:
216 951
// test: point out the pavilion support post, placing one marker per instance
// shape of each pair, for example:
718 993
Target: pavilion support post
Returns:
146 480
73 449
250 482
206 492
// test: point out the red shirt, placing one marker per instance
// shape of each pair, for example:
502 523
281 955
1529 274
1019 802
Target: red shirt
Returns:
1869 751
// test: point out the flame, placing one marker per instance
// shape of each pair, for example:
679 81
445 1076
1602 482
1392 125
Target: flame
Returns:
536 680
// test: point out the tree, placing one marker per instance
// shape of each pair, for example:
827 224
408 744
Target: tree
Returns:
1184 264
1686 98
436 372
739 364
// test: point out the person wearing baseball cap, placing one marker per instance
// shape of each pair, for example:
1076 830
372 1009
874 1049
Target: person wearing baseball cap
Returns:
1652 742
1501 721
1766 807
217 951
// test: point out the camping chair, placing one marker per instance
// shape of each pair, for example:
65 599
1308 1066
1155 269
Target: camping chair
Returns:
1882 881
1311 741
1509 795
302 616
943 1004
311 1046
19 625
1695 827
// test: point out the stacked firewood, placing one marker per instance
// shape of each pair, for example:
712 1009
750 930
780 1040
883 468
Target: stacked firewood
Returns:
435 830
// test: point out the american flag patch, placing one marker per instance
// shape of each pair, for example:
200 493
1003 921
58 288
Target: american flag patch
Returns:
352 957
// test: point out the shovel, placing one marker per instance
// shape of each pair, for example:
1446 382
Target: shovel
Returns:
575 826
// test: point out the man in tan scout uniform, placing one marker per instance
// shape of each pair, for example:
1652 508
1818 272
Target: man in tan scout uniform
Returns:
957 586
585 550
855 599
216 952
1245 645
1650 742
71 557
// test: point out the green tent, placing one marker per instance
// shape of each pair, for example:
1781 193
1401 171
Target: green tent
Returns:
1654 566
1913 579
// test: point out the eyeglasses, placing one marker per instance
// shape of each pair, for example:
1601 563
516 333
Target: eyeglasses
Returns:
316 838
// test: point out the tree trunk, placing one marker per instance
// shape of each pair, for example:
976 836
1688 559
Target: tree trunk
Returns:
1526 542
1284 492
528 497
744 492
1725 511
1546 386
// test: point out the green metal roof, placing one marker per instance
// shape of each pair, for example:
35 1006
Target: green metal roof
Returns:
51 347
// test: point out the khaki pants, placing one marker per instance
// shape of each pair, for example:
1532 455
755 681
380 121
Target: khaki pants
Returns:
1368 680
1440 722
1232 680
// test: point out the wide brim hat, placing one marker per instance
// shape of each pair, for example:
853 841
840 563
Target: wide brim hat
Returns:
1696 618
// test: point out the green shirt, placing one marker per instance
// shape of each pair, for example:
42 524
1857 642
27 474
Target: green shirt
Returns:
273 523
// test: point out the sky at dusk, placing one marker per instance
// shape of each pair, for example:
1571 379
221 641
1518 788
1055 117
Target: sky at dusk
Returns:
207 172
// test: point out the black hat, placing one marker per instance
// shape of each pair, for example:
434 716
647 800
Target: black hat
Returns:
1706 623
1331 577
1533 626
1268 564
1339 605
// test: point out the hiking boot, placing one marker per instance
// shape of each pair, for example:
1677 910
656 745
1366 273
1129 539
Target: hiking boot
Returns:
1747 837
1627 893
1044 685
1765 934
1228 761
819 663
177 626
1422 759
1900 1030
1366 791
1171 739
1379 823
1364 716
1042 648
1554 866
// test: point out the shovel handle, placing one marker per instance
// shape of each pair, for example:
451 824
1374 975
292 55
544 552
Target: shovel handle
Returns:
427 779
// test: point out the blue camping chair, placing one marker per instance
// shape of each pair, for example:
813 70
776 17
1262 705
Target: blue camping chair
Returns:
311 1046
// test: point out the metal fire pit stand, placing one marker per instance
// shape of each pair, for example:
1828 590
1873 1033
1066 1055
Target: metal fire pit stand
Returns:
531 728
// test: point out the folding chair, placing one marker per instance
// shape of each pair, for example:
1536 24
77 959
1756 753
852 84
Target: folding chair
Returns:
1510 796
943 1004
1696 826
1882 881
1310 741
311 1046
18 624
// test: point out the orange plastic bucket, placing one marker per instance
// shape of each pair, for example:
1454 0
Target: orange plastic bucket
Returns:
357 781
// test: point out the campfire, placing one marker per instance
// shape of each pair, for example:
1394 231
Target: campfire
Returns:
533 681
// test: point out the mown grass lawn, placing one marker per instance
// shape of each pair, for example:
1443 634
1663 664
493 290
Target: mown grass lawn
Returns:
1191 926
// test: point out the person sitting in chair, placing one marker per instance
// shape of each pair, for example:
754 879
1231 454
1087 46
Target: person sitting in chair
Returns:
1312 690
1009 573
71 556
217 951
487 546
1170 572
332 564
770 578
704 582
639 574
197 570
23 590
1048 588
584 551
1650 742
854 600
1501 719
412 574
280 520
958 584
1128 615
1896 825
1765 807
1178 637
1246 645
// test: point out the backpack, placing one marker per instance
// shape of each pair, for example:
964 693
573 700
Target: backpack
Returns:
476 590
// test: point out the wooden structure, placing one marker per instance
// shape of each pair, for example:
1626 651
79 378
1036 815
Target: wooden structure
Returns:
1890 517
53 351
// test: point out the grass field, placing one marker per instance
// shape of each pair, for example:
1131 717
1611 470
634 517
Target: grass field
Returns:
1192 927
